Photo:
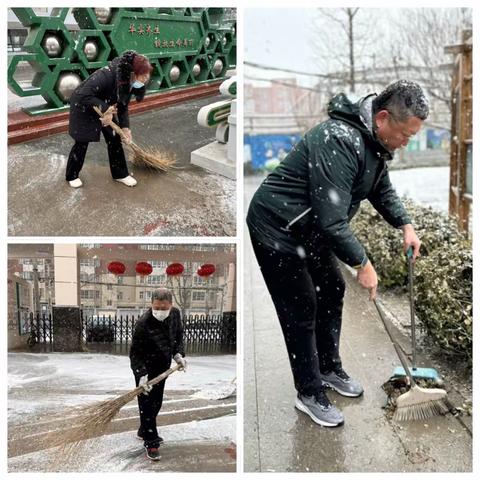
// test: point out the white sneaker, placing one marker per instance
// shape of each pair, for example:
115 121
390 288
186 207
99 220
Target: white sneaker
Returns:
128 181
77 183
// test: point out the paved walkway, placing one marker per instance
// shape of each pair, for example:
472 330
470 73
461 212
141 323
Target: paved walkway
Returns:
197 423
189 201
279 438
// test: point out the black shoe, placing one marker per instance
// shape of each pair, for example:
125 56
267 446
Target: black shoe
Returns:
140 437
153 453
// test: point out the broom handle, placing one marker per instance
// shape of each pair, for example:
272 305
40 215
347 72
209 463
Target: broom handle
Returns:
412 307
400 354
163 375
112 124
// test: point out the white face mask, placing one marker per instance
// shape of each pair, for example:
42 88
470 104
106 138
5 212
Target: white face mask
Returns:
161 315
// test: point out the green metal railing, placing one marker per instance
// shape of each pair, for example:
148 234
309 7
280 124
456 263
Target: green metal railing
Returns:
186 46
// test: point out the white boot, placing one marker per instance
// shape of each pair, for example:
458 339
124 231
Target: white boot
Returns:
128 181
77 183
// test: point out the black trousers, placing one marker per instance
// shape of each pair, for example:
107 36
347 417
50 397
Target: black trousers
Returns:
149 406
307 290
116 156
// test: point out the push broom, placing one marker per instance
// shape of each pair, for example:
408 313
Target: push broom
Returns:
418 403
419 373
144 157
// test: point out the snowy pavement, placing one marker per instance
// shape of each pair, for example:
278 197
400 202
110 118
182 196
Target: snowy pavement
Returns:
278 438
188 201
197 420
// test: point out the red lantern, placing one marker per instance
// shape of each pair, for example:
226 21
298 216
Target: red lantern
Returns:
206 270
143 268
117 268
174 269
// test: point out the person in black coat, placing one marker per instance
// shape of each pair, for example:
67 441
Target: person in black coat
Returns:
157 338
299 225
109 88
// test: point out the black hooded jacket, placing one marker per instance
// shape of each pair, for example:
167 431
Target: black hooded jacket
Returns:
107 86
318 187
155 342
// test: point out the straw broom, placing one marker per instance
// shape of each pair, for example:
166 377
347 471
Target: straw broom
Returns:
94 419
418 403
145 157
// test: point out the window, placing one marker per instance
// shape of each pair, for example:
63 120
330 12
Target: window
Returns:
156 279
109 303
109 286
89 262
27 275
198 296
158 264
120 296
156 246
90 294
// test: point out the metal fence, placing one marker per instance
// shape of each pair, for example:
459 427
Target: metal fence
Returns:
202 333
40 330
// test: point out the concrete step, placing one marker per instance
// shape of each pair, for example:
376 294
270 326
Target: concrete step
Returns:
23 441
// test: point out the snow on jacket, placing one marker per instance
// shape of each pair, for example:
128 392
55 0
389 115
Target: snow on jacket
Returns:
107 86
155 342
317 189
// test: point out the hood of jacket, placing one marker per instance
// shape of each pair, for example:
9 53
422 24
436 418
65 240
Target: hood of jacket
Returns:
357 113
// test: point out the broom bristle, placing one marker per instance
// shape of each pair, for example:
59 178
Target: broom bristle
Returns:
152 158
420 403
91 422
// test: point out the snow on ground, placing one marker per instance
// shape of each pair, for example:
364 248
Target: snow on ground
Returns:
427 186
42 382
124 452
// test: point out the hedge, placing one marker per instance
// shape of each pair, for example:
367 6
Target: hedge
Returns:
443 272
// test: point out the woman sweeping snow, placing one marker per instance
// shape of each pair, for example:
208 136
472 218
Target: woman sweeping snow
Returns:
110 89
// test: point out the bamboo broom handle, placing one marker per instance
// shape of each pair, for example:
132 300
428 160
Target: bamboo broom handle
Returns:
163 375
112 124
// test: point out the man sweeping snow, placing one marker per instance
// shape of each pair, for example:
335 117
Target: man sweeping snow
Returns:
158 337
299 226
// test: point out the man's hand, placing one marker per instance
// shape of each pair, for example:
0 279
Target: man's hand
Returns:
128 135
181 361
143 383
410 239
367 278
107 117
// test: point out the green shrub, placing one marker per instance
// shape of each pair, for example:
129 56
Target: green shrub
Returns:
443 273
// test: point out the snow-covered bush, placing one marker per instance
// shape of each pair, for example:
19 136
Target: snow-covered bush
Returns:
443 273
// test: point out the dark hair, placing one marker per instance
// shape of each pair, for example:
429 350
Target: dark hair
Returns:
162 294
403 99
141 65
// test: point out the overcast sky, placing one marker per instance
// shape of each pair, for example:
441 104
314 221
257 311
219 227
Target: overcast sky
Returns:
279 37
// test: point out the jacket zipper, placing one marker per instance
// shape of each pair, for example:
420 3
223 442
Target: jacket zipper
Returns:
296 219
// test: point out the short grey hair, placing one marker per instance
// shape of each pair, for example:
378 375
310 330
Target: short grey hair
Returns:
403 99
162 294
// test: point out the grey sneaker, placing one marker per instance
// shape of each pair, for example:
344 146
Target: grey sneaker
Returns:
319 409
339 381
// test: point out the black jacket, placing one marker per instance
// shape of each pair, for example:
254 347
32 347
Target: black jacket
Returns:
318 187
107 86
154 343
